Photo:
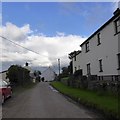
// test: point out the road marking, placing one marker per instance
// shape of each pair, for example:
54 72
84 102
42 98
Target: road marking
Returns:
53 89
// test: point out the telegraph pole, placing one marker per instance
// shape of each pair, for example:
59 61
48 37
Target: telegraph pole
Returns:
119 4
59 65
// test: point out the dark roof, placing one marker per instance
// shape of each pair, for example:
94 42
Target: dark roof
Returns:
116 14
74 53
4 71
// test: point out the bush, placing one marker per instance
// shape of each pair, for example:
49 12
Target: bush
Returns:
18 75
78 73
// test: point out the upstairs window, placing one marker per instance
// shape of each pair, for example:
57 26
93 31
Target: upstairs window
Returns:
117 26
100 66
75 58
99 38
119 61
87 46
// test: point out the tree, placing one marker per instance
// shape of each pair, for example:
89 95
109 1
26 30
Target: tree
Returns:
37 74
18 75
65 71
70 68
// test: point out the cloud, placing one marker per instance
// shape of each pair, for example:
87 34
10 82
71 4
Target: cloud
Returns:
11 31
49 48
60 33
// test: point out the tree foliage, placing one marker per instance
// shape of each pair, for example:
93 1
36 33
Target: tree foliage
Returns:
18 75
70 68
37 74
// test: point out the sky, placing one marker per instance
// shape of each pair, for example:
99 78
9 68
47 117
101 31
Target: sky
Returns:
52 29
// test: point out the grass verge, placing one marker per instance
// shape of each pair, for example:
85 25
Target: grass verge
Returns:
108 105
19 89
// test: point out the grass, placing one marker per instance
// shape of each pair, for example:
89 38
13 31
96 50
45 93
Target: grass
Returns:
65 78
107 104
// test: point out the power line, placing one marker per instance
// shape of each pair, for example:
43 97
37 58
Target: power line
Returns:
22 46
59 65
28 48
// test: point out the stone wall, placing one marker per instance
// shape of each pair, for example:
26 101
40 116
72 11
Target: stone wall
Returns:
97 83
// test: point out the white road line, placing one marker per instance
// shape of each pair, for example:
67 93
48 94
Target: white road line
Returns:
53 89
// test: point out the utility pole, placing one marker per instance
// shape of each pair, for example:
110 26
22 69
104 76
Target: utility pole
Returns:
119 4
59 65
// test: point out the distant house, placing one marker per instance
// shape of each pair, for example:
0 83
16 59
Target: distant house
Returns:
100 53
30 70
74 56
3 76
48 74
27 67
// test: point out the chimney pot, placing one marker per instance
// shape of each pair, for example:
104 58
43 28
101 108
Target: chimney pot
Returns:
117 11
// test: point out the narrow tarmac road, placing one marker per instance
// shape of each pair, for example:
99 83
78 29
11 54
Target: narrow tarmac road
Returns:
43 102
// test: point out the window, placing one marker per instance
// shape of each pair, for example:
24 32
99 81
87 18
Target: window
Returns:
117 26
98 38
119 61
75 58
87 46
75 69
88 69
100 66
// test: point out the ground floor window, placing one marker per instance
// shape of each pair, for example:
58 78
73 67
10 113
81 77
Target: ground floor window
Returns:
88 69
119 61
100 66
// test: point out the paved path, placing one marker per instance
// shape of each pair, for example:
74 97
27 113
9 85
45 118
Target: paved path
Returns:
43 102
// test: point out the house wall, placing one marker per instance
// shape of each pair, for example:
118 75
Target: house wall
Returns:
48 75
119 49
107 51
3 76
76 63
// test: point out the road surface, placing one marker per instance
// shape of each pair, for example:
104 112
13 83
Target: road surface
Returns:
43 102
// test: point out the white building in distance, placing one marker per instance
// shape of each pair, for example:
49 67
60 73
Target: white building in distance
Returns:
3 76
48 74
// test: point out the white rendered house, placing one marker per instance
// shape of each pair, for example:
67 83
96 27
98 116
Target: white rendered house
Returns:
48 74
100 53
3 76
74 56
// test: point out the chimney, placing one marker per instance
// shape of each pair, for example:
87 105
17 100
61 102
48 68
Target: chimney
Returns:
26 64
117 11
119 4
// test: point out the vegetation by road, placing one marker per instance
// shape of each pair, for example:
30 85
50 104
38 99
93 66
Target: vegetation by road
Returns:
18 75
105 103
20 79
19 89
